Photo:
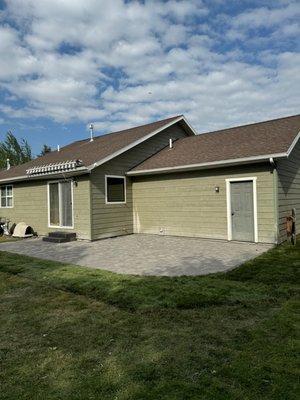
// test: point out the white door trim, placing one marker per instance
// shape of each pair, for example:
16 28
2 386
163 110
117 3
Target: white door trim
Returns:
59 194
228 201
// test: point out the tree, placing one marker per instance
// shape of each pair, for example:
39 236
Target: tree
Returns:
45 149
18 152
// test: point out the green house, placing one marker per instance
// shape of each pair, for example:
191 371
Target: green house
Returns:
162 178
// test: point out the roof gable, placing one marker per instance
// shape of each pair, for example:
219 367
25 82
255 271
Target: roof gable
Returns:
97 152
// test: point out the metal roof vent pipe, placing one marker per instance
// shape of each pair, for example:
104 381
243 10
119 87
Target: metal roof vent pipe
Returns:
170 143
7 164
91 127
58 148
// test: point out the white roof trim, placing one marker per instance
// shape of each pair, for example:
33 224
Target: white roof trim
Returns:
291 148
189 125
137 142
75 172
212 164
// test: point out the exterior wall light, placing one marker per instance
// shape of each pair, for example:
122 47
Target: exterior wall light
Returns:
217 189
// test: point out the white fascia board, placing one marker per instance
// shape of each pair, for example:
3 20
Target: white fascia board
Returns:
55 174
189 125
213 164
293 144
137 142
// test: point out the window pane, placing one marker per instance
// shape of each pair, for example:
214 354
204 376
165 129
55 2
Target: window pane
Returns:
6 196
115 190
54 204
9 190
66 203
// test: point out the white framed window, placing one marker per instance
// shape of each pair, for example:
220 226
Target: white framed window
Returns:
6 196
115 189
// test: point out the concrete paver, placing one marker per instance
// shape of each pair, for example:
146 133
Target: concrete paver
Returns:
144 254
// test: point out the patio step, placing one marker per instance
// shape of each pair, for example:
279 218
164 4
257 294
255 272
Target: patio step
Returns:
64 235
55 239
60 237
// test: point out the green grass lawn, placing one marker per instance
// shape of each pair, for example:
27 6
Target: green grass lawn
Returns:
68 332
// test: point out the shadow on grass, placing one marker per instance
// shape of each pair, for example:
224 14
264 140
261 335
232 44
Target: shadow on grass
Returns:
57 345
267 278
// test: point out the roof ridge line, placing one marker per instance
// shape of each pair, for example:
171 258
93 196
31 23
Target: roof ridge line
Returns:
126 129
250 124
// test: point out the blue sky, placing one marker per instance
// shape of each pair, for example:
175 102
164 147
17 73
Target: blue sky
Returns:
64 64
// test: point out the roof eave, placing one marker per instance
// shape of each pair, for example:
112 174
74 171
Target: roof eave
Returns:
214 164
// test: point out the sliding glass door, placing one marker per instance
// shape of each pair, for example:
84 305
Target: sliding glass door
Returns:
60 204
54 203
66 218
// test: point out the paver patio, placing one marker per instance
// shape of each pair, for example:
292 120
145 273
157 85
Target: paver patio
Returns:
144 254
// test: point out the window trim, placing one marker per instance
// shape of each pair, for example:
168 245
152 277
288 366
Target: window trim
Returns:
12 195
124 180
48 203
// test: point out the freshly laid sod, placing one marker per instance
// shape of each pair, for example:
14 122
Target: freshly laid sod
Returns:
68 332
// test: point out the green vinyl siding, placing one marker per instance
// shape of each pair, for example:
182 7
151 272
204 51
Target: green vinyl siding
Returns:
186 204
288 171
117 219
31 206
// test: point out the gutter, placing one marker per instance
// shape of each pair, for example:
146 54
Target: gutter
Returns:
214 164
272 162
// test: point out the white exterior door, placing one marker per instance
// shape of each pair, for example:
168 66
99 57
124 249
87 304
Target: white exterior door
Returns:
242 211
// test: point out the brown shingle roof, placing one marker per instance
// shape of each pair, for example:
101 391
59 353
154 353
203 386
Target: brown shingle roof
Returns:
89 152
254 140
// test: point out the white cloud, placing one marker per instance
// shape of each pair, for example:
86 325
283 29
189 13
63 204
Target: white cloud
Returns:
266 16
15 60
130 62
281 20
175 35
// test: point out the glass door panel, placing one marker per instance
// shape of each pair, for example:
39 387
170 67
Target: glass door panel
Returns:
66 203
54 204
